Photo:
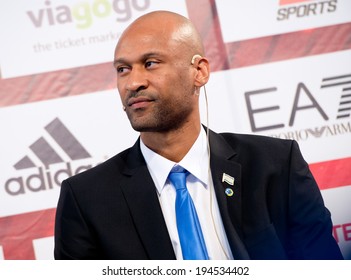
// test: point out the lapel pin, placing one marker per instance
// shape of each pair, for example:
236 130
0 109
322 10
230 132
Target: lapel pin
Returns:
229 192
228 179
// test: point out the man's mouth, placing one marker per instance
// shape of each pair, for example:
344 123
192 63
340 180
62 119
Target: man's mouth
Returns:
138 102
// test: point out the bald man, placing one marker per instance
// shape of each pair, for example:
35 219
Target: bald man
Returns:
254 196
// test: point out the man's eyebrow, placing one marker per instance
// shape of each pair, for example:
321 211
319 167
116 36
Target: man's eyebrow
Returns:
150 54
142 58
119 61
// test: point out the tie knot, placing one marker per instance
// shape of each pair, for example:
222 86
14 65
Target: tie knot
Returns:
177 176
178 169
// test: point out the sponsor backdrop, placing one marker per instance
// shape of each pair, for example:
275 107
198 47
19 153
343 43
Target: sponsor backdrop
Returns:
280 68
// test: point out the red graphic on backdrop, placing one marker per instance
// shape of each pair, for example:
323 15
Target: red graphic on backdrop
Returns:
18 232
333 173
287 2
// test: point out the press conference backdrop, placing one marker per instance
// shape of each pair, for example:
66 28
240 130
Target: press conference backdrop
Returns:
280 68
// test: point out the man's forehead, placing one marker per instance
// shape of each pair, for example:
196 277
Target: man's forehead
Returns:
146 34
145 42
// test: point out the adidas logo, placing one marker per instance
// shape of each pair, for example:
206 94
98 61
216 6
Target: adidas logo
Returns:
58 147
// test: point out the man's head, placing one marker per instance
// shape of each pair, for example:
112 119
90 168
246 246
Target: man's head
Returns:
157 82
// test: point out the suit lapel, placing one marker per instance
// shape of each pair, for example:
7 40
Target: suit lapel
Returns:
140 194
230 205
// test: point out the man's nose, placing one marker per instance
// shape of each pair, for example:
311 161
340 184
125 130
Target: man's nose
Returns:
136 80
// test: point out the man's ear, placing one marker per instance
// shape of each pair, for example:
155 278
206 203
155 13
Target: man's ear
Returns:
202 67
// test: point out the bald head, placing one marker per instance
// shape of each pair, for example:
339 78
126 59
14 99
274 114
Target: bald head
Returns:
174 30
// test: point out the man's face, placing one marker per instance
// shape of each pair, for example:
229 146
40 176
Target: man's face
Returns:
155 80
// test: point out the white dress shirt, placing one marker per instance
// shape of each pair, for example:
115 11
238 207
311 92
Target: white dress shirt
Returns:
200 187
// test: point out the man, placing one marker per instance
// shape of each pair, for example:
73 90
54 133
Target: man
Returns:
254 196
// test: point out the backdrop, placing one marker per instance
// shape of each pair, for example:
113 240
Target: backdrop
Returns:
280 68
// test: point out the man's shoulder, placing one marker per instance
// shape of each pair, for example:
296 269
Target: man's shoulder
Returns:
252 140
103 171
257 146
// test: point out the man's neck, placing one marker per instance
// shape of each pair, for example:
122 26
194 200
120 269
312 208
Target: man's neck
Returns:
173 145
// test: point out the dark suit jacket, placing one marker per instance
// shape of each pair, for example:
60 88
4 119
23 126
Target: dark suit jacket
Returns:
112 210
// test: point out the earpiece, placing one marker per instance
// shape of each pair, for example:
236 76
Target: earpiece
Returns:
124 108
193 61
195 57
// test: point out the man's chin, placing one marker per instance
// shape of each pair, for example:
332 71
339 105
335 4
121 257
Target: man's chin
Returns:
149 128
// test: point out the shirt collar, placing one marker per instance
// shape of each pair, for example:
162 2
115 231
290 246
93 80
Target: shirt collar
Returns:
195 161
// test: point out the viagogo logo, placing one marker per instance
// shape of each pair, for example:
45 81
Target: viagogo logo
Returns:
84 13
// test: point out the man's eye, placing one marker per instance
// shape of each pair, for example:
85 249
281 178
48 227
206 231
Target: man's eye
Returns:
121 69
148 64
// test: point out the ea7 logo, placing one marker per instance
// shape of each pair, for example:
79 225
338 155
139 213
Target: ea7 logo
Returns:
342 82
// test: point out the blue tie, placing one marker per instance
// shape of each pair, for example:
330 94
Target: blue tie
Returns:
189 229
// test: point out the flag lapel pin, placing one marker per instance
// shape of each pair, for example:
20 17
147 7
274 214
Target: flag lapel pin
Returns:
228 179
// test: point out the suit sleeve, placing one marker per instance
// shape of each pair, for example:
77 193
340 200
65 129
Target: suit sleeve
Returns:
310 234
73 238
